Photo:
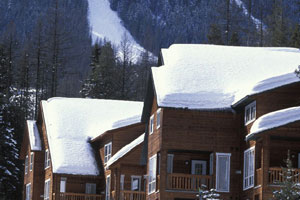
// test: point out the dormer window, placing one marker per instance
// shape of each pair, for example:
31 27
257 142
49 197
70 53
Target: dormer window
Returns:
107 152
250 112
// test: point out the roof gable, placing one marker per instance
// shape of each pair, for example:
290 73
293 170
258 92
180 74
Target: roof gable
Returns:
274 120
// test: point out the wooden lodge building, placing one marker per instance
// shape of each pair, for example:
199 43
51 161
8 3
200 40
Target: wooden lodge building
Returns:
219 116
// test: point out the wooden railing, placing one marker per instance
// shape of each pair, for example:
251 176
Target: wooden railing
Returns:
259 177
77 196
132 195
275 175
189 182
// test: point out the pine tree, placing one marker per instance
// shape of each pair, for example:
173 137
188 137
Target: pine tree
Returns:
9 171
289 188
215 36
234 40
102 81
295 40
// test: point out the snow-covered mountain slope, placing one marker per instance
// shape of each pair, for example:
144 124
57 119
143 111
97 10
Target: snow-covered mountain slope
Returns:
105 23
256 21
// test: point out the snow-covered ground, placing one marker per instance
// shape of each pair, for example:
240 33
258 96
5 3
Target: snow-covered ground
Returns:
105 23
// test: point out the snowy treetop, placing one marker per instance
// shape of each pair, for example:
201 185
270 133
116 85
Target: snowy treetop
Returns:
196 76
273 120
34 136
71 122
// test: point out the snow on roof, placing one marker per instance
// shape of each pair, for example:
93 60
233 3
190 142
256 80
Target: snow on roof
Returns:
197 76
126 122
34 136
126 149
71 122
274 120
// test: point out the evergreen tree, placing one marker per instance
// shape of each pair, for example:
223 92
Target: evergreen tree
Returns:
102 81
295 40
9 171
289 188
215 36
234 40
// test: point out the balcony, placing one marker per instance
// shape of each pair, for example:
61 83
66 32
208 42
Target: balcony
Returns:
275 175
130 195
188 182
77 196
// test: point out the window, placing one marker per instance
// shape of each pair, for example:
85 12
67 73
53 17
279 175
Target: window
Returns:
47 189
151 124
152 174
249 168
31 161
47 159
63 184
28 188
170 163
26 164
122 181
223 172
136 183
90 188
107 190
107 152
250 112
158 118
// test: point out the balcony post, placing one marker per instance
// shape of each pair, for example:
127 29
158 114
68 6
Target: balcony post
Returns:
163 173
265 162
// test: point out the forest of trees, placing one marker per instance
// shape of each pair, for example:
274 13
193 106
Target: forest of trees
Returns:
158 24
46 51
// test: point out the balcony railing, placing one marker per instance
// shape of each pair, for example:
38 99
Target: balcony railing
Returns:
188 182
275 175
77 196
132 195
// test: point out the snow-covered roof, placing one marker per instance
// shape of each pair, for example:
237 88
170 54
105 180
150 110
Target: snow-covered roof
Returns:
126 149
274 119
197 76
71 122
34 136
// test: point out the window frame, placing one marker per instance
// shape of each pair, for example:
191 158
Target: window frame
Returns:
228 171
151 124
140 182
249 107
248 181
47 159
26 164
28 193
107 155
170 161
47 189
107 188
31 161
90 188
158 118
152 180
63 189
